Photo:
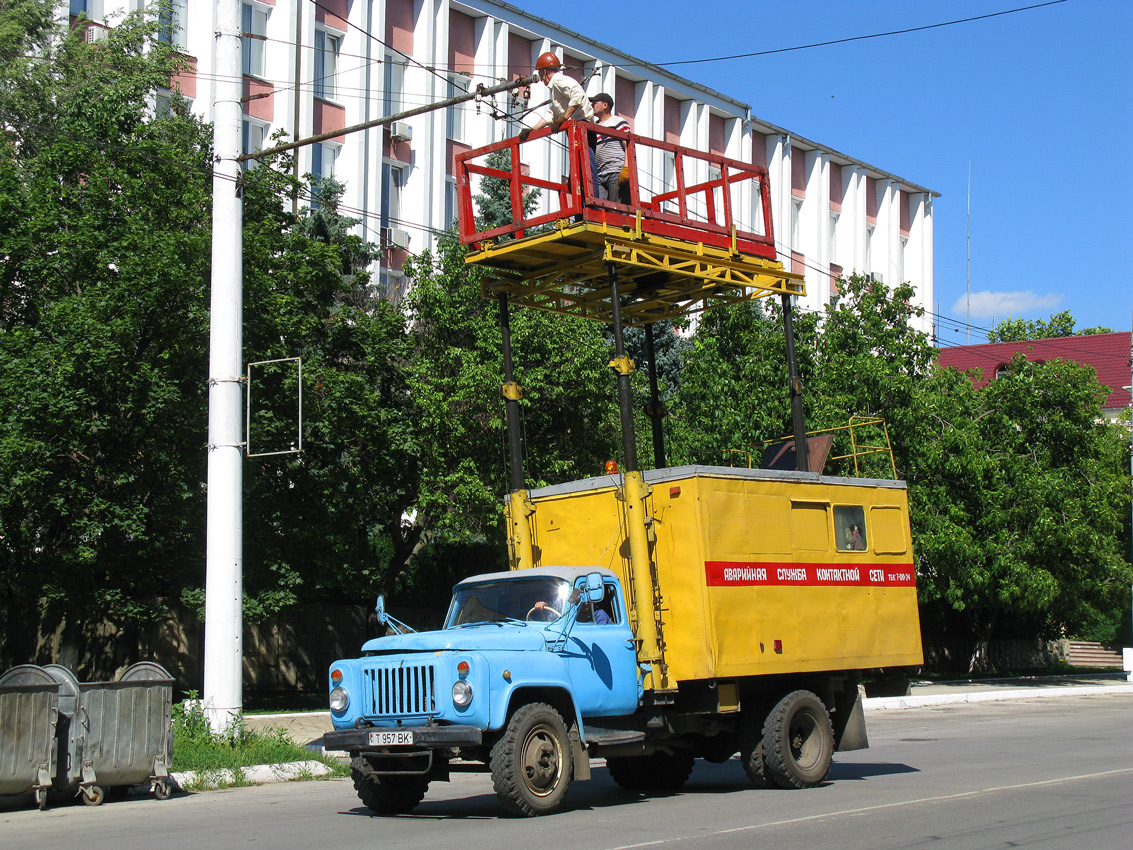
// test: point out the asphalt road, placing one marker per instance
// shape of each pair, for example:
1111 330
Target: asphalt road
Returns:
1053 773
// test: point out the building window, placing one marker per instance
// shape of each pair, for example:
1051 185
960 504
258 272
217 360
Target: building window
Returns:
458 85
327 45
757 210
254 22
252 137
516 107
670 182
163 103
324 155
833 256
1002 371
393 181
901 260
171 23
394 82
870 230
391 285
796 223
450 202
91 8
714 173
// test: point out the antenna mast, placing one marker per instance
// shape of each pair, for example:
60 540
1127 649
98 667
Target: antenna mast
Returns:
968 317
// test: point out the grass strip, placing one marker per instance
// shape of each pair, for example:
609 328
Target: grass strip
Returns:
198 748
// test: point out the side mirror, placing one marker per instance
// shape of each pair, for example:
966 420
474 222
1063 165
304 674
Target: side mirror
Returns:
595 591
380 610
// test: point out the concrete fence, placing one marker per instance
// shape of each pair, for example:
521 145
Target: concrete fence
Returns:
290 653
293 652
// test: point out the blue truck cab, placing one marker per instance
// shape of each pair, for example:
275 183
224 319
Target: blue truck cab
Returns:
525 664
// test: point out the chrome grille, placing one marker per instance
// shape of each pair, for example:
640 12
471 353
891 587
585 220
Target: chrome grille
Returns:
403 689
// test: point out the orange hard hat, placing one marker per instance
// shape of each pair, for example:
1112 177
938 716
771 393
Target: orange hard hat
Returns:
547 60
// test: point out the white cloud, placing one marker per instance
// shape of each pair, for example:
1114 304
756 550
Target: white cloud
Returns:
1001 305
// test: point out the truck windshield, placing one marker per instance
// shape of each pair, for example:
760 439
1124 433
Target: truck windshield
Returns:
539 600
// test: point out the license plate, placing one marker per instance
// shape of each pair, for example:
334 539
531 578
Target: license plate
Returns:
400 738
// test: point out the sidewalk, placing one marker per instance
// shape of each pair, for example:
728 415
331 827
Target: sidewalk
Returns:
927 694
307 728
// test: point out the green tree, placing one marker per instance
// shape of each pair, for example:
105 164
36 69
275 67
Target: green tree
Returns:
104 226
1020 505
104 233
1060 324
1018 495
457 371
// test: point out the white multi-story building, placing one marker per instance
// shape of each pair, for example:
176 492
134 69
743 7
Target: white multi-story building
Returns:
315 66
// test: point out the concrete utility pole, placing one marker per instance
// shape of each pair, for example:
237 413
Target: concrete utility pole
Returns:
223 693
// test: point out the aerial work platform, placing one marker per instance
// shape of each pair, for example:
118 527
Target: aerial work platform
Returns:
695 235
688 232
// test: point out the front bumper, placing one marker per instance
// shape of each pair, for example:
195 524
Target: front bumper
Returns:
424 737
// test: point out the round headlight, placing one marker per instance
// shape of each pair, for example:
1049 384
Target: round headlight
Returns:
339 699
461 694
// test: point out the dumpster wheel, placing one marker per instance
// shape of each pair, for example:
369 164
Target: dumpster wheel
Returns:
162 790
93 795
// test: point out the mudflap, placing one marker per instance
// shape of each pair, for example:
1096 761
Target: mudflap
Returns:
849 722
579 755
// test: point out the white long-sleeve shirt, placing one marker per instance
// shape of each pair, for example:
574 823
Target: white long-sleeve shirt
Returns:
566 92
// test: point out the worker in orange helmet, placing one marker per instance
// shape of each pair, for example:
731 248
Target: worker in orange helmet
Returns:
568 99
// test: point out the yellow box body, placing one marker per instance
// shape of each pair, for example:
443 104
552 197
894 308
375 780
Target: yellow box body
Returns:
760 572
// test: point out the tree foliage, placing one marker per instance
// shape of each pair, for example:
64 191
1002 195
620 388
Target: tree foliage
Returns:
104 233
567 411
104 226
1060 324
1019 495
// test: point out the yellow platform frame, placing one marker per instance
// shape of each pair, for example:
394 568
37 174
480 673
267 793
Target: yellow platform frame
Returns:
566 270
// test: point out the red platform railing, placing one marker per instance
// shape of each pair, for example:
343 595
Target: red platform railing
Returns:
674 192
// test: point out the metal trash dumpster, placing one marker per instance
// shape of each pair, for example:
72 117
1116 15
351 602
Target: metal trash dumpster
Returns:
29 709
124 727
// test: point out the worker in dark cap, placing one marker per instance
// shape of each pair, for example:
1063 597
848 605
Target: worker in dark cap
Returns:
610 152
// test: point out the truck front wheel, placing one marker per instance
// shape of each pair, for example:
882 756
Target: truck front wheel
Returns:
391 795
531 763
798 741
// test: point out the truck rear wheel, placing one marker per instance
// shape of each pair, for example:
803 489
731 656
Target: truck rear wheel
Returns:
665 771
531 763
623 771
798 741
390 795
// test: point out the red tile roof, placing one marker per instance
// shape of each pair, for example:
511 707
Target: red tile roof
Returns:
1107 353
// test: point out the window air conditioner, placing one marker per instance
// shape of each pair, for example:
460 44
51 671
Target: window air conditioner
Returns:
399 131
398 238
96 34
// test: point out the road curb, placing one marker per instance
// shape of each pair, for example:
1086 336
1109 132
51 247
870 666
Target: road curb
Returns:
256 774
931 700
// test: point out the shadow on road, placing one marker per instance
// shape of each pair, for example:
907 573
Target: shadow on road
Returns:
866 770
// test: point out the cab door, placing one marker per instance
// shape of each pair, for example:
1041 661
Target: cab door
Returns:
601 660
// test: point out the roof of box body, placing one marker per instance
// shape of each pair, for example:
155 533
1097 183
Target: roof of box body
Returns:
1107 353
680 473
541 27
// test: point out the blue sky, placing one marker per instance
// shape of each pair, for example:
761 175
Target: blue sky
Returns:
1039 102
